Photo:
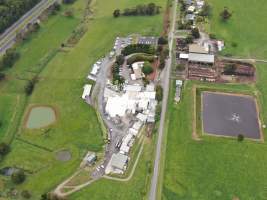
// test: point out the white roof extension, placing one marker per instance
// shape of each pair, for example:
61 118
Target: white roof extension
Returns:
183 55
179 82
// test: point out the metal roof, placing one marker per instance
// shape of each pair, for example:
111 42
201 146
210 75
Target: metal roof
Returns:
202 58
119 160
195 48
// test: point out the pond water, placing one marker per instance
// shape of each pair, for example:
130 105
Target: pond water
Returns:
63 155
40 116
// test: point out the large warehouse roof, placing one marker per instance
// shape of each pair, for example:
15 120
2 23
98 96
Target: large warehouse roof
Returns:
202 58
119 160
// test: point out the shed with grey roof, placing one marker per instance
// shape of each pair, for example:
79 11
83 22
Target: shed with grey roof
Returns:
201 58
119 161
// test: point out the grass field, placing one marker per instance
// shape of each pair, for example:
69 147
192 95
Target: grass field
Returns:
213 168
245 28
60 85
217 168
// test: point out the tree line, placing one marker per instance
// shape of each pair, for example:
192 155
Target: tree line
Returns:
139 10
138 48
12 10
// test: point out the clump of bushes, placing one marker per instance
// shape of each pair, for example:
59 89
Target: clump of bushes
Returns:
159 93
18 177
180 67
140 57
147 68
139 10
225 14
117 78
2 76
4 149
30 86
162 41
138 48
229 69
240 138
68 1
9 58
195 33
26 194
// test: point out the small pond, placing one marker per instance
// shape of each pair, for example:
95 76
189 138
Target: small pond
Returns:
40 116
63 155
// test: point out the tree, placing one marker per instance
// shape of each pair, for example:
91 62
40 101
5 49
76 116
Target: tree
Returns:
159 93
18 177
195 33
44 196
4 149
240 137
229 69
9 58
68 13
212 36
120 59
30 86
180 67
26 194
161 62
57 6
149 9
138 48
189 39
68 1
147 68
206 10
162 41
116 13
12 10
2 76
225 14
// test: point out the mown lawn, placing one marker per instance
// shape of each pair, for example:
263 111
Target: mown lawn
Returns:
60 85
246 27
213 168
136 188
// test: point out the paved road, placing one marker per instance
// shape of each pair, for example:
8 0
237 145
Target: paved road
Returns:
154 181
7 39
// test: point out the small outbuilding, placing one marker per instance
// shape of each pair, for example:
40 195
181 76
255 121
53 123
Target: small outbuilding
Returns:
118 163
86 91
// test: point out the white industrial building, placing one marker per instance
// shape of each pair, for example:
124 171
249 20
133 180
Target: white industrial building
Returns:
133 99
178 84
140 102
